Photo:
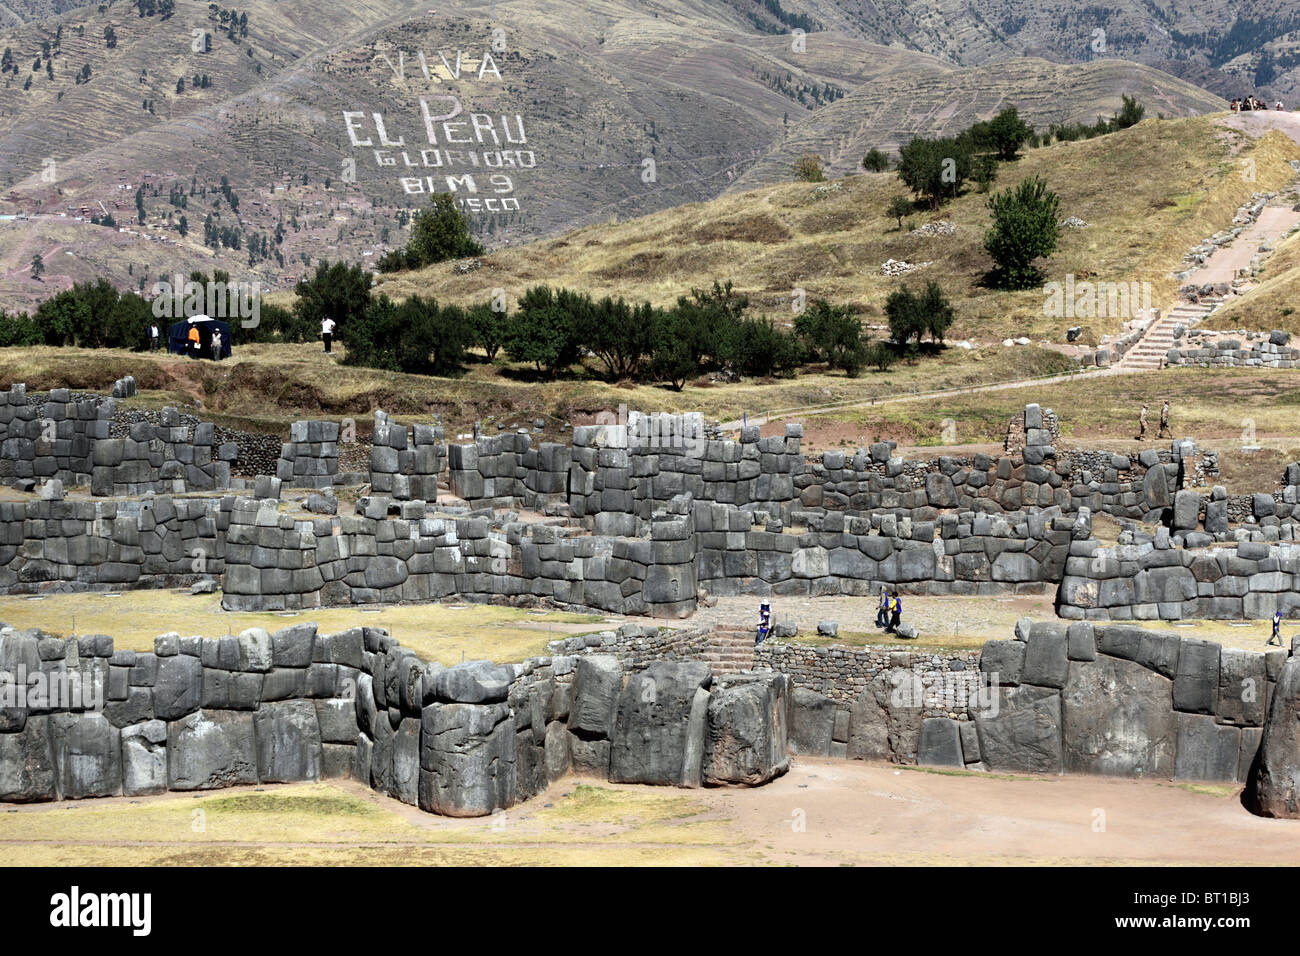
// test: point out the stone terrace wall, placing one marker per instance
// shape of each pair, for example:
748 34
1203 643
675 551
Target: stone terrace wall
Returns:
198 714
1154 581
275 561
1114 700
82 545
963 553
1210 351
69 440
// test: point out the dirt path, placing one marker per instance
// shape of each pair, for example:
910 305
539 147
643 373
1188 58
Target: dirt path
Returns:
872 814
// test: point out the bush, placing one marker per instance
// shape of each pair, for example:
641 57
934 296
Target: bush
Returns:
338 292
913 316
415 336
438 234
935 169
759 349
833 333
488 328
808 169
1024 228
875 161
543 330
18 329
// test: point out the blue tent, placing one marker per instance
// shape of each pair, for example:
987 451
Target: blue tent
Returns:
178 335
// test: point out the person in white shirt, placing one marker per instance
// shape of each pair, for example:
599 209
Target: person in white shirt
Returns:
327 332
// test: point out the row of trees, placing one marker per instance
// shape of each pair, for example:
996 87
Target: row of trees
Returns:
555 329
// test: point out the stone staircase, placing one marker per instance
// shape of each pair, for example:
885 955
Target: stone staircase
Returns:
730 650
1149 351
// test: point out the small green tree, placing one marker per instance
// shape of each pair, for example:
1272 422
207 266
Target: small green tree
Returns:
809 169
1024 229
542 331
1006 133
913 316
488 327
935 169
833 333
899 207
673 357
1131 111
38 266
985 172
875 161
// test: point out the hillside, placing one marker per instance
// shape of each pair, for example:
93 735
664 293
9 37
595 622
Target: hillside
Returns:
887 114
695 87
1148 194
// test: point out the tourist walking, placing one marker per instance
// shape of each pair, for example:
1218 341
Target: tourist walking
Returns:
1276 639
1142 424
764 623
1165 431
327 332
882 609
895 614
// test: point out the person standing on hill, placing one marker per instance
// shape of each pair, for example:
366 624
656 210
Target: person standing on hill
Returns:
1142 424
216 345
154 335
195 344
1165 430
327 332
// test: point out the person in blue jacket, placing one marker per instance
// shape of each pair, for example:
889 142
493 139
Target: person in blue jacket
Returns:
764 623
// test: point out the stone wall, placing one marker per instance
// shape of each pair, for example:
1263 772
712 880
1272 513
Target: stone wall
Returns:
470 740
1113 700
82 545
276 561
1247 350
1155 581
68 440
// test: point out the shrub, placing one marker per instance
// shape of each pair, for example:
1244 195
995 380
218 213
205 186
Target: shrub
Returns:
1024 228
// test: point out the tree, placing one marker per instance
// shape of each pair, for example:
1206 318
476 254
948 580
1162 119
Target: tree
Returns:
618 334
542 331
913 316
875 161
38 266
935 169
488 327
759 349
1131 111
110 37
337 292
899 207
833 333
180 85
438 234
1004 134
673 357
985 172
1024 228
808 169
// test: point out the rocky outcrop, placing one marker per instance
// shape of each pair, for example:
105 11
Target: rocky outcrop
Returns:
748 730
1275 783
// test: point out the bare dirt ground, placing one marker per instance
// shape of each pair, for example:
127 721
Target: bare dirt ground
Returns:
856 813
822 813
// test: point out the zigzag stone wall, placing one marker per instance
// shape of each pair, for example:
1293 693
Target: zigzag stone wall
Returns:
469 740
79 545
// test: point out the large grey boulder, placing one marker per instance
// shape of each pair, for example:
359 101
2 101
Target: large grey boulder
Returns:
1023 732
27 763
467 759
178 687
1118 719
940 743
885 720
288 741
597 681
812 723
473 682
144 758
1196 684
657 723
1207 750
211 748
747 740
404 783
1274 789
87 756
